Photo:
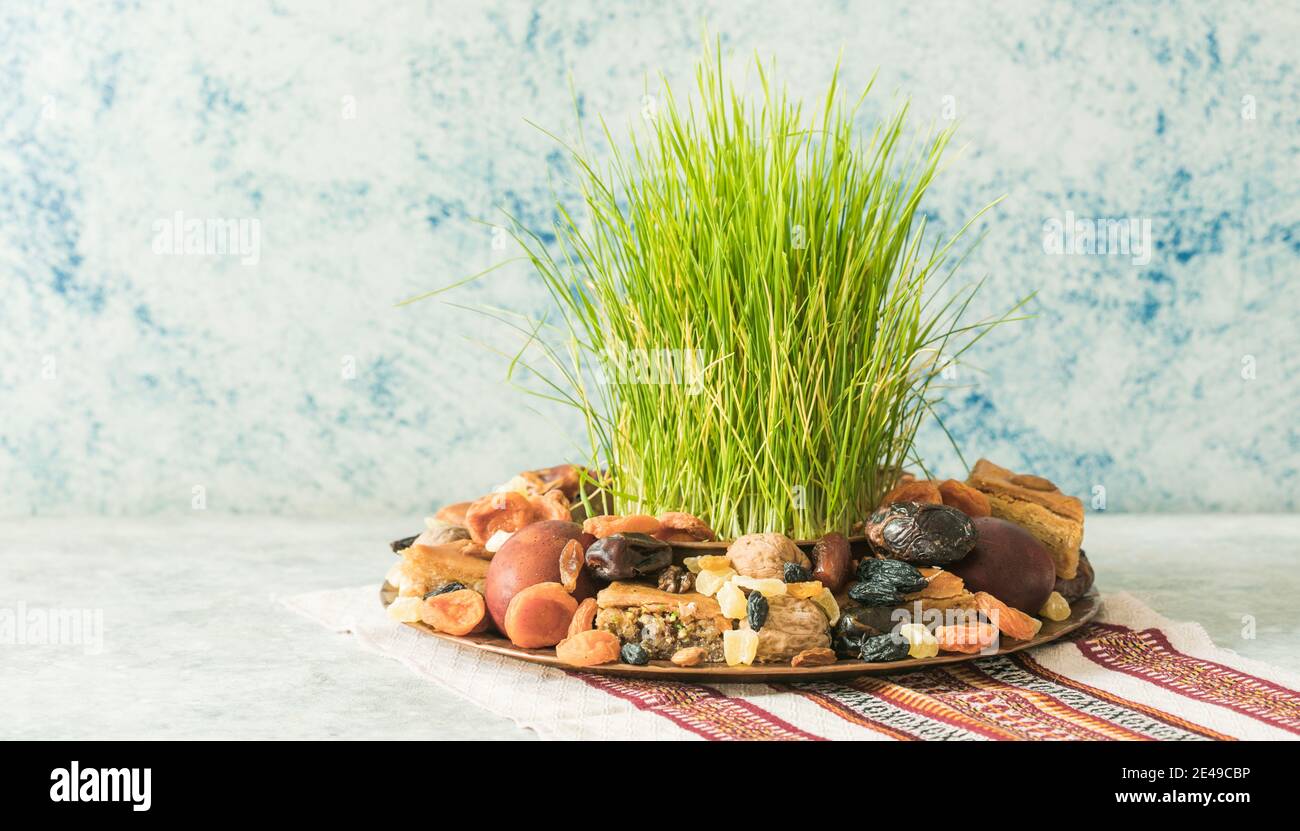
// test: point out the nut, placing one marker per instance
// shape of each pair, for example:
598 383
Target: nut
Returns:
689 657
676 580
765 555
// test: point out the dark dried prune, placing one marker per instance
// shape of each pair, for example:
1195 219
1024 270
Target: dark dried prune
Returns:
453 586
902 576
856 623
873 593
626 556
847 647
756 610
795 573
881 648
925 534
635 654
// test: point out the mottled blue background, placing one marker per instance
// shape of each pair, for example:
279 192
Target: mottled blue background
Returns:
127 378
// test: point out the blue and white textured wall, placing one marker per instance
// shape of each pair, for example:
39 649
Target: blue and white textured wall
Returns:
357 143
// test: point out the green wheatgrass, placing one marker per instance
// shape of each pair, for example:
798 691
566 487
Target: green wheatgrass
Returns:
787 258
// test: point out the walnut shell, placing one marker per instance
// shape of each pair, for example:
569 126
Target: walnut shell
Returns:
792 625
764 555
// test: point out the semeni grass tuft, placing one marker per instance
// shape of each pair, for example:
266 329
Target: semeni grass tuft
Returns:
751 320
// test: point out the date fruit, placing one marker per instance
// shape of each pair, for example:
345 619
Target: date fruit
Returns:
627 556
832 561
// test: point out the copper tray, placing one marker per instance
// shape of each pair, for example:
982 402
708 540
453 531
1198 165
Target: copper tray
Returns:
1081 611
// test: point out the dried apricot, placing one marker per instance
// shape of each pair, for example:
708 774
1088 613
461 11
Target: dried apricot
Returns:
676 526
551 505
923 491
940 584
588 648
603 526
1012 622
964 498
456 613
584 617
539 615
508 511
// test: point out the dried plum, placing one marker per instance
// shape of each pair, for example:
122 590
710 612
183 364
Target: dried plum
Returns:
846 646
795 573
856 623
627 556
453 586
874 593
923 534
635 654
756 610
902 576
881 648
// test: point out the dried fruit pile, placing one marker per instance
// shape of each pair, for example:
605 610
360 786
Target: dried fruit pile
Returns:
944 567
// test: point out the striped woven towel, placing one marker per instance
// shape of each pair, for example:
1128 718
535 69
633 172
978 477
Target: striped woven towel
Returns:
1131 675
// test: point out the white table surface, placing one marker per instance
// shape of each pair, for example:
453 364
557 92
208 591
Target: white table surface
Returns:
196 646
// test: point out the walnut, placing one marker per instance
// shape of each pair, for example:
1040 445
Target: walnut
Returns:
676 579
764 555
793 625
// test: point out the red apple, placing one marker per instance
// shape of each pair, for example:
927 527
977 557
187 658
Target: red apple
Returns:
529 557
